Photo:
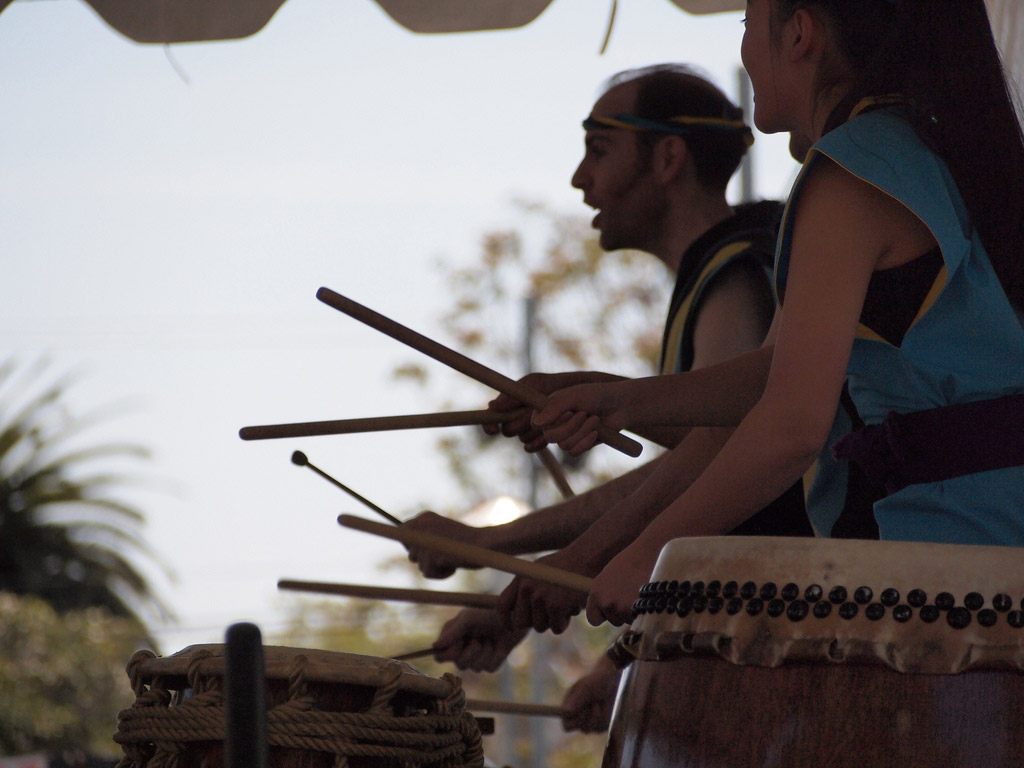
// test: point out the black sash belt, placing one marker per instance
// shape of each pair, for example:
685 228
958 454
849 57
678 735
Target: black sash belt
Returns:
938 443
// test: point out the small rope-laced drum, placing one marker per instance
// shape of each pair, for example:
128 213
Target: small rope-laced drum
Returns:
324 710
807 653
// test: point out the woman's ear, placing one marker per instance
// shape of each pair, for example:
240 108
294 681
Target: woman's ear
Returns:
801 35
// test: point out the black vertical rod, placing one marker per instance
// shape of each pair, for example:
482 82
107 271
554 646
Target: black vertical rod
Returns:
246 743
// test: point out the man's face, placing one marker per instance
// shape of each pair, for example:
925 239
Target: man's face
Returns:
617 181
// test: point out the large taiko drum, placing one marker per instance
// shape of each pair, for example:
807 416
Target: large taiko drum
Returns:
815 653
324 710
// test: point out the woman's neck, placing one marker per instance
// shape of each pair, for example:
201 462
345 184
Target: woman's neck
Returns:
822 110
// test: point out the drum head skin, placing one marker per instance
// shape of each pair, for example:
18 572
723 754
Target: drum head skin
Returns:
321 666
809 653
914 607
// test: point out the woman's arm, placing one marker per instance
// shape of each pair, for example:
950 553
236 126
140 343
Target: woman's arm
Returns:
844 230
719 395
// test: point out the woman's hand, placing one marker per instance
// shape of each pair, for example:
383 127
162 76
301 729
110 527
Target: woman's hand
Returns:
533 439
617 587
572 415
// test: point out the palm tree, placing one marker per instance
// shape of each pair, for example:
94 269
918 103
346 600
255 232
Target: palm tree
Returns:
63 534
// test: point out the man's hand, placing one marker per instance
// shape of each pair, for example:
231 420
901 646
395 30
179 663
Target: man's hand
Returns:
588 704
527 603
437 565
476 639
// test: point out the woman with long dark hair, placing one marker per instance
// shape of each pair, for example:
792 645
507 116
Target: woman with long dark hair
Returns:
899 270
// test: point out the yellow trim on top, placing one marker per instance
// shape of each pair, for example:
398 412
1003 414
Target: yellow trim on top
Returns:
883 100
785 219
863 332
675 333
808 478
933 294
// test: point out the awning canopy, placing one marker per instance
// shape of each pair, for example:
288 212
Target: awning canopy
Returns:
182 21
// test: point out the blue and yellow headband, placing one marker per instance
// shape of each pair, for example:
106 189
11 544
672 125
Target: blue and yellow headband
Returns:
676 126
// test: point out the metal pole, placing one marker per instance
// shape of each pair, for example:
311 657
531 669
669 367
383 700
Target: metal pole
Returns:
540 672
529 323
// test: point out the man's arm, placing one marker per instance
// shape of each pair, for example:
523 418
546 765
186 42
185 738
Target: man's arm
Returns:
734 301
733 318
529 603
545 529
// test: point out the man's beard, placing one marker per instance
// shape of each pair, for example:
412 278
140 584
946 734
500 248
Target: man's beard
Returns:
638 216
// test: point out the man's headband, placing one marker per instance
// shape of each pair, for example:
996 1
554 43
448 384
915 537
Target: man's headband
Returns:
676 126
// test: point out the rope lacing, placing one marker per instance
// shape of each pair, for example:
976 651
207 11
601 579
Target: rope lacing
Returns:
154 734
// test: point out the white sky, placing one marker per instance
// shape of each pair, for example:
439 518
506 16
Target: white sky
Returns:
166 237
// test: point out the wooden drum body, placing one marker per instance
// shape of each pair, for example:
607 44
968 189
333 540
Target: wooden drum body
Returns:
324 710
807 653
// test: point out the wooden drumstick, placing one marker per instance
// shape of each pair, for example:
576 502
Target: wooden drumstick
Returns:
398 594
470 553
388 423
513 708
415 654
554 468
299 459
460 362
378 424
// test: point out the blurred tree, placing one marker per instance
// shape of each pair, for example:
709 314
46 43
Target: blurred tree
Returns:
62 678
594 311
63 533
